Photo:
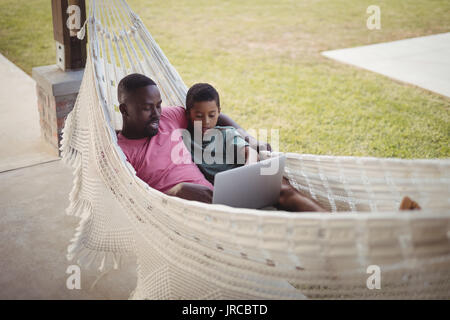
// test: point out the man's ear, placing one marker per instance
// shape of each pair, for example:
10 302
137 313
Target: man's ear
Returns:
123 109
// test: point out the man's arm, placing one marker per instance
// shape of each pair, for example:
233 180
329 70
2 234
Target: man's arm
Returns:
191 191
225 120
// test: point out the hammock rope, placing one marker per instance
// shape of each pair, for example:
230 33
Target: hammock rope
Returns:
191 250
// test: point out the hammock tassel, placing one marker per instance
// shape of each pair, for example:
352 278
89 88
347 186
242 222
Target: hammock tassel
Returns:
81 34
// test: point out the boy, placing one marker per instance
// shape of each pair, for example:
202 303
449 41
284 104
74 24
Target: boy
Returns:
214 148
227 148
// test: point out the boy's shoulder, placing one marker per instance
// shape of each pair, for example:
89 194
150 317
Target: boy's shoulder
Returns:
225 128
228 132
231 134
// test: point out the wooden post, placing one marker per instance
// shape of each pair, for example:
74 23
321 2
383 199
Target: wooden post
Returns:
68 18
58 85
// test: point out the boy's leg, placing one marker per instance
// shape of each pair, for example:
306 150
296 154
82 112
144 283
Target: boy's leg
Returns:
292 200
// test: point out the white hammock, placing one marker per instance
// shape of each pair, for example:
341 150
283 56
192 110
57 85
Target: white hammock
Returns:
191 250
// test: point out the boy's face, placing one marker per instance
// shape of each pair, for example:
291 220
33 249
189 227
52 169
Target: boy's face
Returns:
205 111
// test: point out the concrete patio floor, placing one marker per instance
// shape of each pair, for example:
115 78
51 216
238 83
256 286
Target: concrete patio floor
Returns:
34 189
422 61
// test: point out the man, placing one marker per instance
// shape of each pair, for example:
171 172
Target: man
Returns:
147 140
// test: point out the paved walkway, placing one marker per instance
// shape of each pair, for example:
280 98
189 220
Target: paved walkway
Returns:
423 61
34 189
20 142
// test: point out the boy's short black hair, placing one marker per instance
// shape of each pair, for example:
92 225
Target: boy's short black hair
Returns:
130 83
201 92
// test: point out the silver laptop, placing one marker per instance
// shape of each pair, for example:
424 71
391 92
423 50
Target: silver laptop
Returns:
252 186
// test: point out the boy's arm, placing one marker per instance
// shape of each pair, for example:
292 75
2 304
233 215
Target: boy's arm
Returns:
225 120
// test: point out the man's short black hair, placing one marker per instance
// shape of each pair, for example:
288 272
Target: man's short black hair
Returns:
201 92
130 83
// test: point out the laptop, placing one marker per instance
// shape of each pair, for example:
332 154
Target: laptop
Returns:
252 186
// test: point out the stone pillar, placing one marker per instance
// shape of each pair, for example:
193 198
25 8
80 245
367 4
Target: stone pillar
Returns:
57 91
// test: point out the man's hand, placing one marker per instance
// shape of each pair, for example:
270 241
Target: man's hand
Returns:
191 191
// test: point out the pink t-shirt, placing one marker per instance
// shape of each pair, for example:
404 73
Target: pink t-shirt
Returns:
163 160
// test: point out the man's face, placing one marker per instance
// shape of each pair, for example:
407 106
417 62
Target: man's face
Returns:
143 111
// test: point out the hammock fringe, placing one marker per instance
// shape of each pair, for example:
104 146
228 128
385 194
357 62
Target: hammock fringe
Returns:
87 257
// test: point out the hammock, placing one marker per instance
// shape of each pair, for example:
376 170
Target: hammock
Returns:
191 250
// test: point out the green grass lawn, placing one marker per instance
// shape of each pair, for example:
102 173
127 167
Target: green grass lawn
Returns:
264 58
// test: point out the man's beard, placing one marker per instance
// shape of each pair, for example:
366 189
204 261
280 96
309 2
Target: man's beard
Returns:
152 130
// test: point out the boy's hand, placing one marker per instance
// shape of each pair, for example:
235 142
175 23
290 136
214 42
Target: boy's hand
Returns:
258 145
251 155
225 120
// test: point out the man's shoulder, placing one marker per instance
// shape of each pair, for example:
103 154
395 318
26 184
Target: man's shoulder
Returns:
173 110
174 114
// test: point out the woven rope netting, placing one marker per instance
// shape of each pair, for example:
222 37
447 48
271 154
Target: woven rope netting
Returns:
190 250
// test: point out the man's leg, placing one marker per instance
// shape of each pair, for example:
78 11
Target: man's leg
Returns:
409 204
292 200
